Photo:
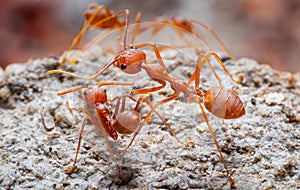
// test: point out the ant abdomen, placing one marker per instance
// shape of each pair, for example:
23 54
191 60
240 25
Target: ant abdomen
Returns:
127 122
224 103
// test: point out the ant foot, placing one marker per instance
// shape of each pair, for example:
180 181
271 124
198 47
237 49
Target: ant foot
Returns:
121 152
190 144
70 170
239 80
119 181
232 184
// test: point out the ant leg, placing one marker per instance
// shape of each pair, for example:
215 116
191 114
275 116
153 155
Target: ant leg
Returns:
97 39
156 51
163 47
72 168
118 98
107 83
71 90
150 90
85 26
175 95
137 30
88 23
69 107
99 85
179 32
196 75
202 60
223 66
197 100
78 76
103 132
157 27
144 99
164 21
214 34
127 14
91 26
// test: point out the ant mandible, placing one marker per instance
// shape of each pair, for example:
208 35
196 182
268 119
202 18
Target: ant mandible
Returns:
122 122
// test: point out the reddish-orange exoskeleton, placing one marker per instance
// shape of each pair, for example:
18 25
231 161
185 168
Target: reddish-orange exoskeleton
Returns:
101 17
220 102
121 122
133 60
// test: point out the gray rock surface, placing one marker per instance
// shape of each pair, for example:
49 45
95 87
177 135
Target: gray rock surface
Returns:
38 134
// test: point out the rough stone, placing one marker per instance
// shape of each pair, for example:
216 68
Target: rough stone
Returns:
39 135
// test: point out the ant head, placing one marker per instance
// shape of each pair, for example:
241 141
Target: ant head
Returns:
182 22
95 95
130 61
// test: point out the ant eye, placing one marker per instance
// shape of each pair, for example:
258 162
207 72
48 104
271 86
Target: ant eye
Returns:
123 66
225 58
105 90
85 92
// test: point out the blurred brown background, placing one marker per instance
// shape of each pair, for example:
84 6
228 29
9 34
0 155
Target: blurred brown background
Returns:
268 30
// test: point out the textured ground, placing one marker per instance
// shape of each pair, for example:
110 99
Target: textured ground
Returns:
39 135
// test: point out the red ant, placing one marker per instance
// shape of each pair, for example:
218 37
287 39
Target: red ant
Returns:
122 122
130 60
219 101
